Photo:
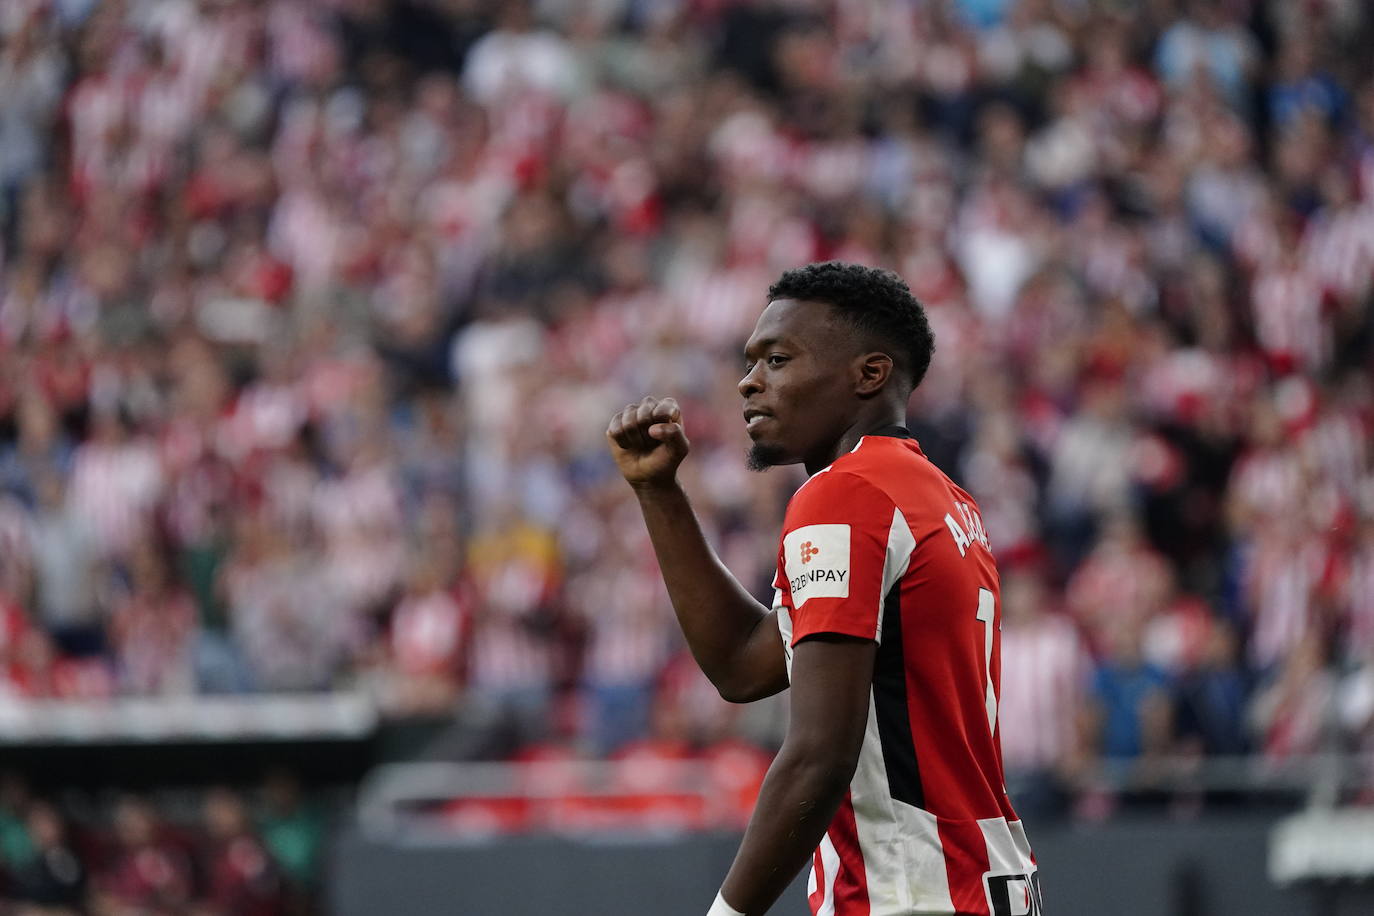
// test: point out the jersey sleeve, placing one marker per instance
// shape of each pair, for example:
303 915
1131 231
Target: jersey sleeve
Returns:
844 544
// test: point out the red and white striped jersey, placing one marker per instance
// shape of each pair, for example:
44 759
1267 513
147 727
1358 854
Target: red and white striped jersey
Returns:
882 545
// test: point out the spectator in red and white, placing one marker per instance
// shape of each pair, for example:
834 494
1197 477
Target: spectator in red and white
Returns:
152 628
516 571
428 642
1267 479
628 632
1121 583
15 635
1288 311
115 482
1294 713
1337 246
1179 631
1045 671
1284 571
1335 443
288 619
358 516
1356 588
32 666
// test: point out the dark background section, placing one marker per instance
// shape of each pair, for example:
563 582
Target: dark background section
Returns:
142 767
1148 867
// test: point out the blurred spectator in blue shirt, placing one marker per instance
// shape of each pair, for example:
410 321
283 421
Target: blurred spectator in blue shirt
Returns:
1210 698
1132 699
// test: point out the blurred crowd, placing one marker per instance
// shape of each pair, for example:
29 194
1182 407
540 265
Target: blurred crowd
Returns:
221 857
313 315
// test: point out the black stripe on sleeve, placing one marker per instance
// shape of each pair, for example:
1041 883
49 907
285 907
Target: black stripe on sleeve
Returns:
890 707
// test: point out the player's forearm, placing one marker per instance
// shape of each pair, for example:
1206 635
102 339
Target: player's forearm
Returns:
798 801
716 613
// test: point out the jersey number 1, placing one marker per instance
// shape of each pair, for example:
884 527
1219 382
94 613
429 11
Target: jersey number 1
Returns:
987 612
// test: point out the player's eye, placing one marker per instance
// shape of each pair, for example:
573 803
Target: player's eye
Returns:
775 360
748 366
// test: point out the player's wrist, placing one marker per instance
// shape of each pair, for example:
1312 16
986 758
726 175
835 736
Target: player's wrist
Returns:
721 908
648 489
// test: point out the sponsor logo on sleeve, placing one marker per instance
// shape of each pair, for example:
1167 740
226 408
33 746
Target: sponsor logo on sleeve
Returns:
1013 895
817 562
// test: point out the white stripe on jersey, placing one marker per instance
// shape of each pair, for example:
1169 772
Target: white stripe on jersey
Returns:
900 544
1005 855
920 833
1009 853
784 629
875 820
1023 846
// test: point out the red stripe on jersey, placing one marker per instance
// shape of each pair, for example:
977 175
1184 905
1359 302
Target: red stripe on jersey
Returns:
966 860
851 883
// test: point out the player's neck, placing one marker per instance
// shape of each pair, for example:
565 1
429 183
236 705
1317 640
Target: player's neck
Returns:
865 425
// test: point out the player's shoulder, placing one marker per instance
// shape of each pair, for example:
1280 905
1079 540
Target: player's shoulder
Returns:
894 467
872 476
891 464
838 494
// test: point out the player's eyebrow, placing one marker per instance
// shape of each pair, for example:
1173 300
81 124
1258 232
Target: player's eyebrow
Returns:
763 343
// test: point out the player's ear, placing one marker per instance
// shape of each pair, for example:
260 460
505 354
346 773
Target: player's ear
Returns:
872 371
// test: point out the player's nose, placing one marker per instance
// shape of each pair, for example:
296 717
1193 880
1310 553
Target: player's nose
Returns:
750 384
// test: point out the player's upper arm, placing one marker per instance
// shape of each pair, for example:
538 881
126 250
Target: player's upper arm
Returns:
760 669
832 677
846 545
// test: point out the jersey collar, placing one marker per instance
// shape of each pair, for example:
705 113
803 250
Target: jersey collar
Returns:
893 431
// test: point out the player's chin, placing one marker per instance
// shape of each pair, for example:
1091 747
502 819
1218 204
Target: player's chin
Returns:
763 455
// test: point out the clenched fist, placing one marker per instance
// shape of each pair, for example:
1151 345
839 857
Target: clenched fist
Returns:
648 442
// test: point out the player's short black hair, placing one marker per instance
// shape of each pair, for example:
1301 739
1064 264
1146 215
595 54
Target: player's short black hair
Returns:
873 300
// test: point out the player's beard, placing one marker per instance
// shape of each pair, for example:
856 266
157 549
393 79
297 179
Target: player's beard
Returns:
761 457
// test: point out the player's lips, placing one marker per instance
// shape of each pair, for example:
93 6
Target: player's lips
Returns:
753 418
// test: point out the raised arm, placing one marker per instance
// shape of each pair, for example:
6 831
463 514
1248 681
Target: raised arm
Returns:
734 639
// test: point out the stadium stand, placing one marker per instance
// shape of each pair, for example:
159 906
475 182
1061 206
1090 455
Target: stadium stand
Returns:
312 315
